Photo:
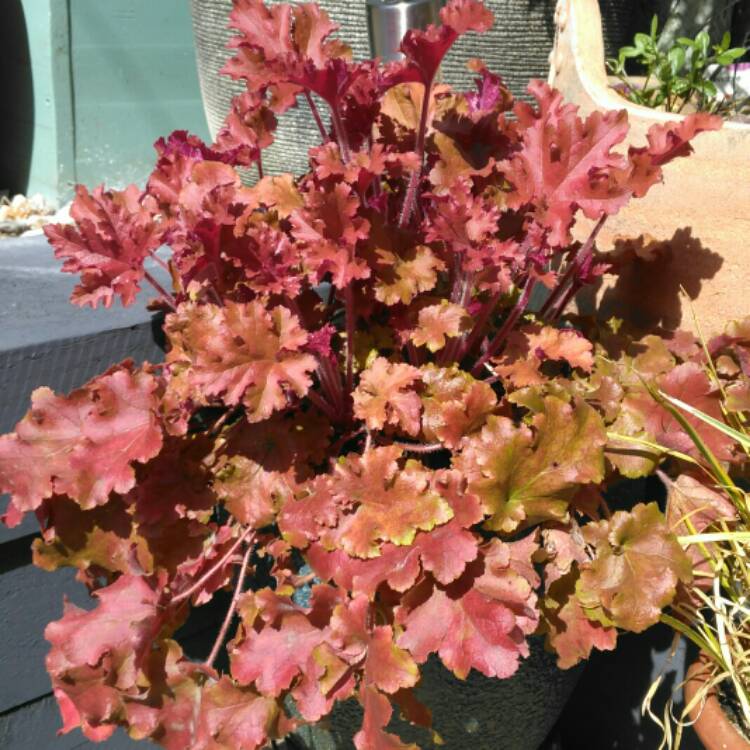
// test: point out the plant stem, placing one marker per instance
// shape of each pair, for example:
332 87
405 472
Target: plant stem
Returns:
316 116
260 165
575 265
232 607
420 447
513 318
202 580
338 128
323 405
165 296
479 327
155 257
349 302
412 354
411 189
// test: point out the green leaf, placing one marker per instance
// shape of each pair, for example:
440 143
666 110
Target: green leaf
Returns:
703 42
707 88
676 57
730 55
654 26
637 565
643 41
523 476
740 437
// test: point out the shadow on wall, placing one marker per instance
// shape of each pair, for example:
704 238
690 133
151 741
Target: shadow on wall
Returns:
17 104
646 279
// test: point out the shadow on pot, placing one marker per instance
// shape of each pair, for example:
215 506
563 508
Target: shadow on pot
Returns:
644 285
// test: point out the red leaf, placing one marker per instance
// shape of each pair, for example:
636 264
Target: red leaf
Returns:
112 236
82 445
566 163
480 620
247 129
378 711
570 632
426 49
467 15
271 654
328 228
666 141
97 656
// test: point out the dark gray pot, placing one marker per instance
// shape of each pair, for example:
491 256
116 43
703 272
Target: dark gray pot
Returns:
473 714
517 47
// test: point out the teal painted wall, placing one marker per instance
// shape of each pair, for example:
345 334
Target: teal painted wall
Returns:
95 83
134 79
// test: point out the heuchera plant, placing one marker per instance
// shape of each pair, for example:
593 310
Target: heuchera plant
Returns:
353 398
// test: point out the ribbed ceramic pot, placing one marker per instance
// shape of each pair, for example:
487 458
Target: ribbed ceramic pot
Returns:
517 47
473 714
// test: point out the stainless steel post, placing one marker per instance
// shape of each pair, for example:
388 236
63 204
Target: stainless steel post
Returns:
389 20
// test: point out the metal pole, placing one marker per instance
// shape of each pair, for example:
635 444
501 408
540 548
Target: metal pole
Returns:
389 20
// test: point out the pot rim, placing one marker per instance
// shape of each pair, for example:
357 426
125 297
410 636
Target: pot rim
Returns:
711 724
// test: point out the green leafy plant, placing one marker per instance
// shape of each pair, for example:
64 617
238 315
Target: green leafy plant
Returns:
682 76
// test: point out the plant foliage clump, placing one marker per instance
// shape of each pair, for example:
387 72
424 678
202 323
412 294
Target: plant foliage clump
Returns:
354 398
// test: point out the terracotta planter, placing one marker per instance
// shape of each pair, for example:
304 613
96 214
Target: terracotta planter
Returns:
698 221
711 724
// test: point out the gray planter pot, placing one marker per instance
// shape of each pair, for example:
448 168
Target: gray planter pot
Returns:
517 47
473 714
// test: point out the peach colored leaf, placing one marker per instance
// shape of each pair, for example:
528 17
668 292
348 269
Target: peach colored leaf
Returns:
241 352
444 551
399 278
389 503
234 718
564 345
386 666
438 322
249 492
377 714
454 404
386 395
278 192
